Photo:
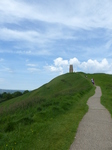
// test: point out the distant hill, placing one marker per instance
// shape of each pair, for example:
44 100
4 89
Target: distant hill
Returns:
9 91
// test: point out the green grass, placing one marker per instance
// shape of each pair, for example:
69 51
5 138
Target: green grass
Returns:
105 82
46 118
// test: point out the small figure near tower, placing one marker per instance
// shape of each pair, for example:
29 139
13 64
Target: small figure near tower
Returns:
70 68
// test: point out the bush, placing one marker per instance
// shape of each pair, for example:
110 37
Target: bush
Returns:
10 127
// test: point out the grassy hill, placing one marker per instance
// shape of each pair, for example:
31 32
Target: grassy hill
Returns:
46 118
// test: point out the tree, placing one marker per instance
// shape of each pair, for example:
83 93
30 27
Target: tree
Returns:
25 92
6 96
16 94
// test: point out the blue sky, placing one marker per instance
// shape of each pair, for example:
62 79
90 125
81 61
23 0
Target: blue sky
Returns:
40 39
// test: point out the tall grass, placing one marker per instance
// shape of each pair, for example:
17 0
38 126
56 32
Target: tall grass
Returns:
46 118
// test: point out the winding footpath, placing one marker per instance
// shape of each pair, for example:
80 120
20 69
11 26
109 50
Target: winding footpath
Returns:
95 129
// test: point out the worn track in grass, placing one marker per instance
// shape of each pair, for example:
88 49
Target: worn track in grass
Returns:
95 129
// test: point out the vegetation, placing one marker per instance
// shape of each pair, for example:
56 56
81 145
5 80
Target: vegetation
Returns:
6 96
46 118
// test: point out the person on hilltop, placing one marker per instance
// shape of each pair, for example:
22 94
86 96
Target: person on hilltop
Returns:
92 80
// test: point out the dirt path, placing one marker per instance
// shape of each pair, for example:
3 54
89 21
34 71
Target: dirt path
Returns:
95 129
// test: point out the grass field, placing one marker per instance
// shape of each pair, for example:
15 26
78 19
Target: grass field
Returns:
46 118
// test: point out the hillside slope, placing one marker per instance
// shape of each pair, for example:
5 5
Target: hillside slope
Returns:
64 85
46 118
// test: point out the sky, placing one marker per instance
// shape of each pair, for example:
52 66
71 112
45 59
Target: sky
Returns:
39 39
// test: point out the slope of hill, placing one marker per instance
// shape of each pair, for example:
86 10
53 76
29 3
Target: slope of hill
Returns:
46 118
10 91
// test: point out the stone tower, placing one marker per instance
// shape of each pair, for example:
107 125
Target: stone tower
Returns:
70 68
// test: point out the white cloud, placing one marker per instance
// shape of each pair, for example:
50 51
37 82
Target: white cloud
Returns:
58 20
1 59
13 11
80 13
7 70
32 69
32 52
108 44
74 61
30 28
31 65
91 66
1 80
36 37
52 68
60 62
58 66
9 35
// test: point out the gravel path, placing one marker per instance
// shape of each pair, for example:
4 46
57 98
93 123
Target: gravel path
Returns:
95 129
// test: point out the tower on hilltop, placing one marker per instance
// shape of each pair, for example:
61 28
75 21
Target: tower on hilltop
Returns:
70 68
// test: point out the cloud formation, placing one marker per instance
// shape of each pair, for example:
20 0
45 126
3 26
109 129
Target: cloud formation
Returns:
1 80
72 13
41 26
90 66
56 33
1 59
32 69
